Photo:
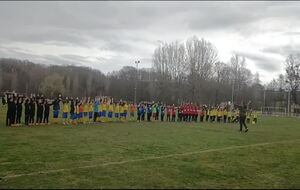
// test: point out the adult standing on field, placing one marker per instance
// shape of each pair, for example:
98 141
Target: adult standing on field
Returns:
242 116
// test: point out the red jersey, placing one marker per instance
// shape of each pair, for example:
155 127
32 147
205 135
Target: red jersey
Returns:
168 110
189 109
173 110
201 112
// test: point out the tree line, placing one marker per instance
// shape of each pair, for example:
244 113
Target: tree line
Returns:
187 71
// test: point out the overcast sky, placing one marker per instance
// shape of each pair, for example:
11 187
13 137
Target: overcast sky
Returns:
109 35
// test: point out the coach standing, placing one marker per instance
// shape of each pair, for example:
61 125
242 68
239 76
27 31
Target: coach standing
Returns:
242 116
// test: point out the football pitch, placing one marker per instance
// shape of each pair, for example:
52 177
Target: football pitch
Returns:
152 155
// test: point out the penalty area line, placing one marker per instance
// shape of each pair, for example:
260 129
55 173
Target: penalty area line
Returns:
148 158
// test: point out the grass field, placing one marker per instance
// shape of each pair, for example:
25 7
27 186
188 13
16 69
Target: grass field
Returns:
151 155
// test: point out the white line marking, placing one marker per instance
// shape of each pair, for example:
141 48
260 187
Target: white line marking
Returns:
148 158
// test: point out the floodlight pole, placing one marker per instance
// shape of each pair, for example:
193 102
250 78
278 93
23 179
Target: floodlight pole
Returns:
137 71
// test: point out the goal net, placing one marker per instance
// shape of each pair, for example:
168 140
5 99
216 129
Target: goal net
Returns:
274 111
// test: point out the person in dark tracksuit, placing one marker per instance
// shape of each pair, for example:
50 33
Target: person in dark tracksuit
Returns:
13 111
8 111
27 111
143 111
149 112
32 110
39 110
139 108
72 110
242 116
162 113
10 102
19 110
96 109
47 105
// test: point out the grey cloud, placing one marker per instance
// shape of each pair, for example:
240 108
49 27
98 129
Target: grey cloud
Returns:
131 29
283 50
263 62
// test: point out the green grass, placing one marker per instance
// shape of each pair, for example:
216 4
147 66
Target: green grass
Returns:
25 150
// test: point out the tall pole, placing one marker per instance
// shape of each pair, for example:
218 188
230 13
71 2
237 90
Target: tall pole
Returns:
137 72
289 102
232 92
264 97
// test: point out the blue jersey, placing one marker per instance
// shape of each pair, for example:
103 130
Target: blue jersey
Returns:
56 105
149 109
143 110
96 106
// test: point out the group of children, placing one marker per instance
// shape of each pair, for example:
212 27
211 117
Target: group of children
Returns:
191 112
74 111
104 109
36 109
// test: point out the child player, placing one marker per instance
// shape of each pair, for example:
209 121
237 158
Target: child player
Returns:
81 109
72 111
117 110
96 109
125 110
91 110
110 111
32 110
248 115
225 113
254 117
132 110
65 111
27 111
56 108
104 110
47 105
19 110
101 109
122 111
77 111
85 110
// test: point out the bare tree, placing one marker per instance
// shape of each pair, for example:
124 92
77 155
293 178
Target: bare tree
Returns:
292 68
201 57
241 77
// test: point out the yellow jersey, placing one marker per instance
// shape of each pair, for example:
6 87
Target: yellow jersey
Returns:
110 108
220 113
105 106
214 112
237 113
121 109
91 109
125 108
254 114
229 113
117 109
77 109
101 107
248 115
85 108
65 107
225 112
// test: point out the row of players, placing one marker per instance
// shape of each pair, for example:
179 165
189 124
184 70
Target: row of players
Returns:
190 112
103 109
